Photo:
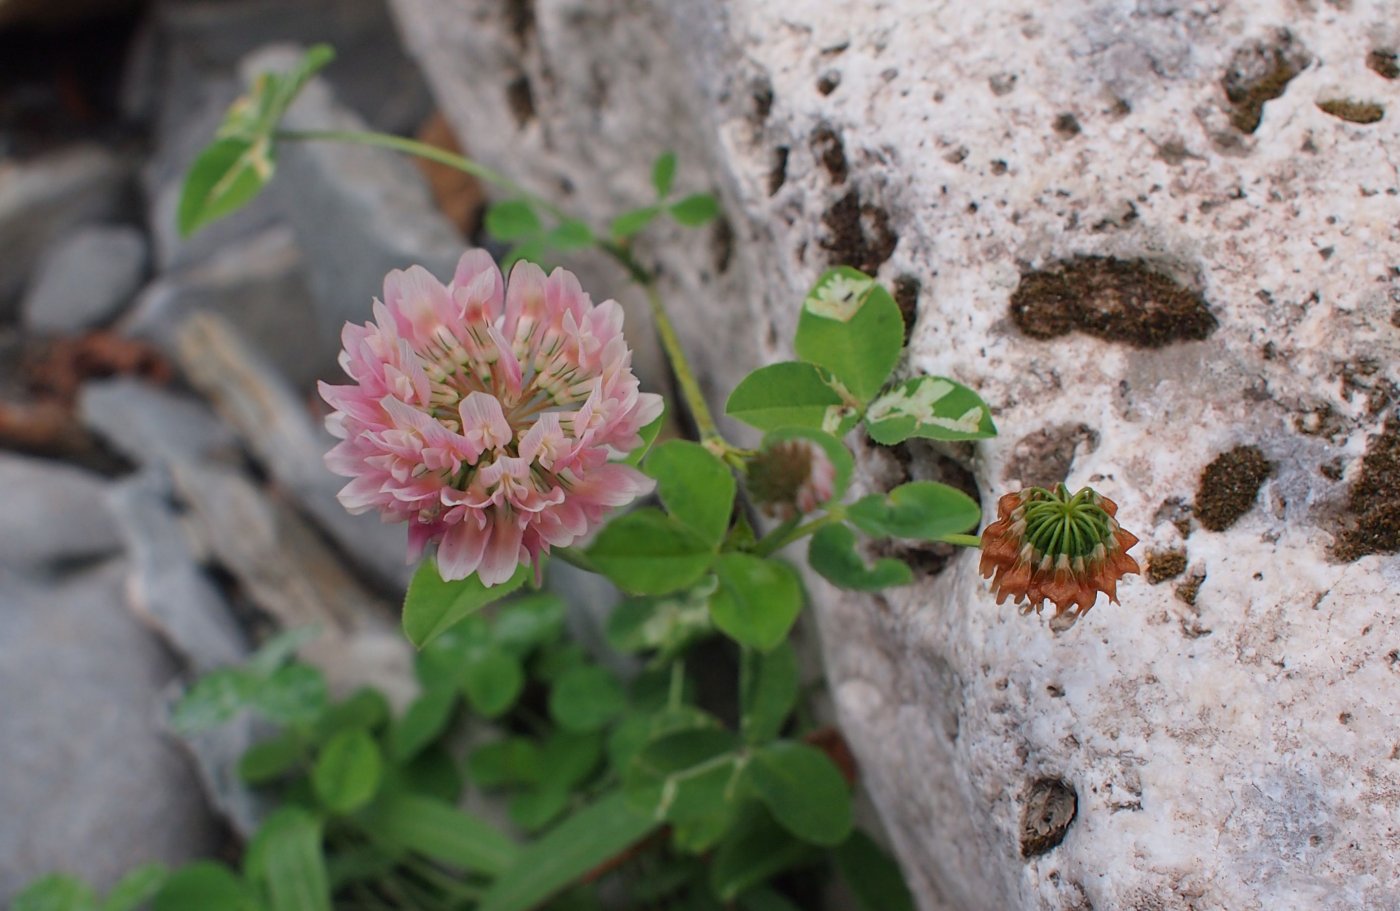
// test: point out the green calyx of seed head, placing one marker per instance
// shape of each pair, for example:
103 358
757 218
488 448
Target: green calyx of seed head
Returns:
1058 523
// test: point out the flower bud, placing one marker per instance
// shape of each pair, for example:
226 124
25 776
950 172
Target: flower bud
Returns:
791 478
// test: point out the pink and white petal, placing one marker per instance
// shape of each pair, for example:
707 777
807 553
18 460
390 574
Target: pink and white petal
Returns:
504 552
460 552
477 287
483 422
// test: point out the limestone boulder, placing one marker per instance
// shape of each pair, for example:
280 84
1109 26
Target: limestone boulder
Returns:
1162 240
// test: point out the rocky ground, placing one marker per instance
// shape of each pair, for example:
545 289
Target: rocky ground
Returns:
164 500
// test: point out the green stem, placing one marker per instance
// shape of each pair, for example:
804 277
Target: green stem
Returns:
685 377
962 540
776 541
424 150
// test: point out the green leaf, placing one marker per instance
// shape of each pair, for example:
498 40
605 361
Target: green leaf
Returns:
533 810
586 698
770 693
922 510
207 886
757 850
646 552
136 888
366 708
789 394
568 758
757 600
532 251
764 899
441 831
695 210
270 759
832 553
348 771
432 773
805 791
285 856
421 723
835 450
279 649
515 760
528 622
214 699
295 695
433 606
663 174
439 663
629 223
933 407
259 112
492 680
512 219
872 875
223 179
695 486
568 852
648 435
683 776
56 892
666 623
570 235
852 327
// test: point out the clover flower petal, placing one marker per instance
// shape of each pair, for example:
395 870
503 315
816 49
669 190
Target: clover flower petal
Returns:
484 413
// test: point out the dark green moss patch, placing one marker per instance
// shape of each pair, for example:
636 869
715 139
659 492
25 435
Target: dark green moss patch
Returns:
1384 61
1188 591
1353 111
1116 300
1067 125
1229 486
1259 73
1372 525
1165 564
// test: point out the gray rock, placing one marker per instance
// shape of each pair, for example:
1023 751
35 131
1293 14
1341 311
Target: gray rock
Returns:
53 514
91 785
45 197
167 587
152 426
287 569
84 279
371 73
358 212
281 435
258 283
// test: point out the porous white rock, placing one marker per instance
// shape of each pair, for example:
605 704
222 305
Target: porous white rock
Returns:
1228 734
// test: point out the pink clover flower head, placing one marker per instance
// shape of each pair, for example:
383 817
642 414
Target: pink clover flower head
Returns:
792 477
486 415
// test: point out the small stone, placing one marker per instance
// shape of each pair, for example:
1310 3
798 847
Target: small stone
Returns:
92 785
53 514
84 279
149 425
257 283
167 587
42 198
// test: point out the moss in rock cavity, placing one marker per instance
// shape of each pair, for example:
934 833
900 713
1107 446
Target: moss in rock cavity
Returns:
1229 486
1188 591
1385 62
1165 564
1259 73
1373 503
1353 111
906 295
859 235
1116 300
